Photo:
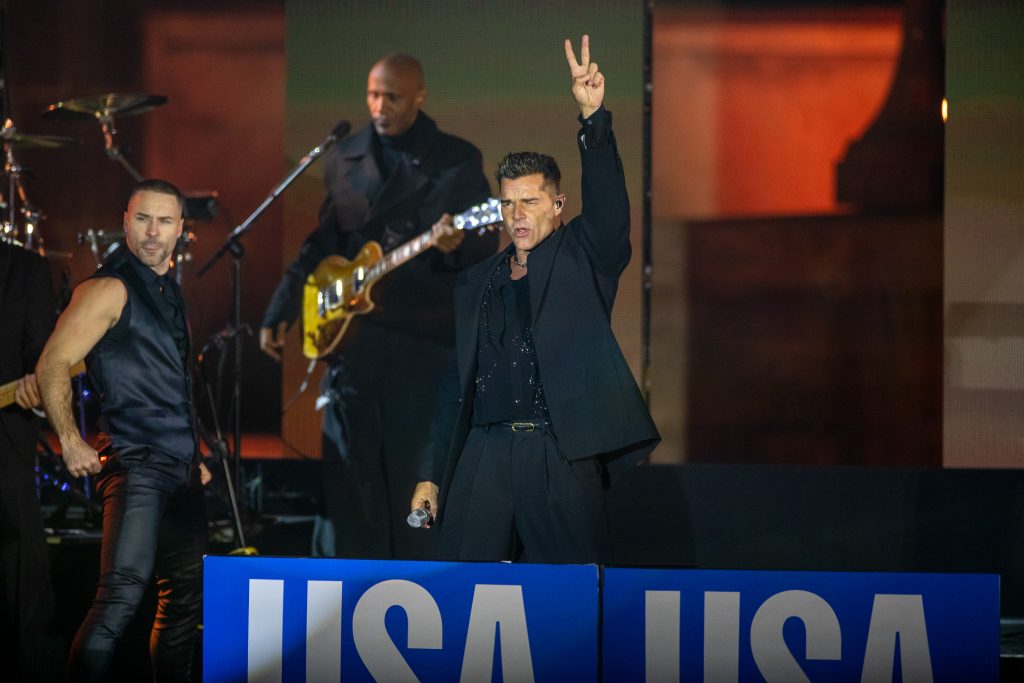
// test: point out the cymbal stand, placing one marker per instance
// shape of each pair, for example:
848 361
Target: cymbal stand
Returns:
16 195
113 151
92 238
32 217
13 171
181 256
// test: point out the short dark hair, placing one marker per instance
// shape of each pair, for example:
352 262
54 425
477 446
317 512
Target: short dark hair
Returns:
160 187
518 164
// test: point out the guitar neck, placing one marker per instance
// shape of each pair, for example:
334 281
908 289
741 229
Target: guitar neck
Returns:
478 217
7 393
7 390
401 254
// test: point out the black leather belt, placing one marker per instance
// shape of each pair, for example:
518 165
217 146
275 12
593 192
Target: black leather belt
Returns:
524 426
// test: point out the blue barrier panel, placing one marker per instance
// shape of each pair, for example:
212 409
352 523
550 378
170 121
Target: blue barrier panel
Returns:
270 620
696 625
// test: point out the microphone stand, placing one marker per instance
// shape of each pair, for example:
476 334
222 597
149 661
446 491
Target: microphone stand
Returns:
233 245
219 451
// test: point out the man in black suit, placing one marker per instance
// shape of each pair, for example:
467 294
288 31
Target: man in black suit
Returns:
28 310
388 183
540 411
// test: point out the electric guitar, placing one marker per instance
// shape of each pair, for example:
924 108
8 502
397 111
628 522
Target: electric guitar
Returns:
7 390
339 289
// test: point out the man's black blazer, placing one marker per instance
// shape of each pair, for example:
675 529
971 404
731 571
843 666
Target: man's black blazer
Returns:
596 408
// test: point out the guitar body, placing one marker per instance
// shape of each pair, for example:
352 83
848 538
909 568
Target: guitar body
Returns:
335 293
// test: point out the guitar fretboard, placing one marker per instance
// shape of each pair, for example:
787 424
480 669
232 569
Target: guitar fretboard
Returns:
396 257
476 217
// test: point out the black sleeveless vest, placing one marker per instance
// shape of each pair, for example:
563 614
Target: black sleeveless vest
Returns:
145 389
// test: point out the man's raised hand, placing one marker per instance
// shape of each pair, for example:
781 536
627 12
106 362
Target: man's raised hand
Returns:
587 81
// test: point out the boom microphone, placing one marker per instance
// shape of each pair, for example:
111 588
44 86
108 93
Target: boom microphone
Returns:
339 131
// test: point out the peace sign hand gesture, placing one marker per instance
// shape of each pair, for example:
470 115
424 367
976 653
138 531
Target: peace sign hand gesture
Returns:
587 81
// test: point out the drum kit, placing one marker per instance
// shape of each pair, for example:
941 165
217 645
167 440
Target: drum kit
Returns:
21 218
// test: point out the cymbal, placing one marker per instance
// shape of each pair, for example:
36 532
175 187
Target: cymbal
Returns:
25 140
99 106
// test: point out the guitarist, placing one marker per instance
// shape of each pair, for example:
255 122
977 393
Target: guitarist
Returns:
28 309
387 183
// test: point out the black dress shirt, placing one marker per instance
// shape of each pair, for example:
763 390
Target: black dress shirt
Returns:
166 294
508 383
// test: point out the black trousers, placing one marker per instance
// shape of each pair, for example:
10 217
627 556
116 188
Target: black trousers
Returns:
516 497
154 520
27 648
383 391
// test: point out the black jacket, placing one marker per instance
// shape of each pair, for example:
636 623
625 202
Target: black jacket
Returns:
441 173
596 408
28 311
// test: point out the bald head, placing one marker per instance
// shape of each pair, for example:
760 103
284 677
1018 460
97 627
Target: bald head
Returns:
395 92
408 64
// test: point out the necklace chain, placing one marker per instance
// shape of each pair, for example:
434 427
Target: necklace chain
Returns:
515 260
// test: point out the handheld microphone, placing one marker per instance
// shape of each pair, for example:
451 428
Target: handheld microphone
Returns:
419 518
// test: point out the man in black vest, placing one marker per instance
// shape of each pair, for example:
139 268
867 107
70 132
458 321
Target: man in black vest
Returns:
389 182
128 323
539 410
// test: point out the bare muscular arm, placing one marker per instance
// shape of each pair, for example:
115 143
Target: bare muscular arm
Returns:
95 307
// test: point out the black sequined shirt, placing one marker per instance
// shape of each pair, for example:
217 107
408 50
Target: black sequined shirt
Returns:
508 384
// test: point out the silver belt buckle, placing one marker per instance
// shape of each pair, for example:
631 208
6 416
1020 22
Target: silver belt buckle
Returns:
523 426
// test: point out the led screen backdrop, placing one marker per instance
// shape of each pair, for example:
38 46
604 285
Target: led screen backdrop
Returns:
983 417
496 75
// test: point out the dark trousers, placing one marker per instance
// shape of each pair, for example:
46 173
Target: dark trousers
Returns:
154 520
28 650
383 391
515 496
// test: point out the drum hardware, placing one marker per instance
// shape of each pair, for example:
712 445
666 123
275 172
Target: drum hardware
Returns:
53 255
98 106
100 238
201 206
182 256
10 135
198 206
17 199
103 108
